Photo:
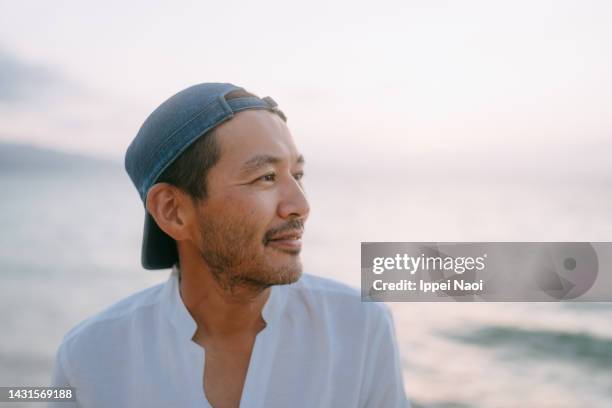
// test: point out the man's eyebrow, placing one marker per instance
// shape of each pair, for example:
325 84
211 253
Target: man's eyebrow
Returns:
258 161
261 160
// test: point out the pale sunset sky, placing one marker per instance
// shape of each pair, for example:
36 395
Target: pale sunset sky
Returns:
504 85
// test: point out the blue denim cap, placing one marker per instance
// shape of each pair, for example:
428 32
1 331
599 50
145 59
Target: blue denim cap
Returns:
165 134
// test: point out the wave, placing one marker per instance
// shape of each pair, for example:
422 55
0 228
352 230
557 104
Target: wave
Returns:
576 347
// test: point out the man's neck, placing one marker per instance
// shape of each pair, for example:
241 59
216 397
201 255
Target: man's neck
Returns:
219 313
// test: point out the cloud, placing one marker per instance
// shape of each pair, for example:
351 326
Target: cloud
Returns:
22 82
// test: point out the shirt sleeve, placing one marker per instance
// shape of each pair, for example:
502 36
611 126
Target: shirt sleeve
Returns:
61 378
385 383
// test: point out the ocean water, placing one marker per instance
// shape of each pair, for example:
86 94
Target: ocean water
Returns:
70 246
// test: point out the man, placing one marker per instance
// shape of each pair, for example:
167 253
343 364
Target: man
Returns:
236 324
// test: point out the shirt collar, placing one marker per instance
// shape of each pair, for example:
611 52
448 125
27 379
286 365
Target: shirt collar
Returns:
181 319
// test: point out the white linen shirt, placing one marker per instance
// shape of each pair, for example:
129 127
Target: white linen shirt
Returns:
322 347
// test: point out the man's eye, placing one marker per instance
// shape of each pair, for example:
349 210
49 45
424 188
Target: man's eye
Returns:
298 176
268 177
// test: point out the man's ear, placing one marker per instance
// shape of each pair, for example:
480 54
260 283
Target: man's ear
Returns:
171 209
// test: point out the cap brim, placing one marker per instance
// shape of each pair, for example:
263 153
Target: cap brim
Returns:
158 249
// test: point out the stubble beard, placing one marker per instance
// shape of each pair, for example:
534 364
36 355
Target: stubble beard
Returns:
237 260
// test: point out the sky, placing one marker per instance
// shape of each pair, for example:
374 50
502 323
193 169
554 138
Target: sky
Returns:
521 86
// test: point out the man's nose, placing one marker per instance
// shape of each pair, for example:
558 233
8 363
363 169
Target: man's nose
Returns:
293 202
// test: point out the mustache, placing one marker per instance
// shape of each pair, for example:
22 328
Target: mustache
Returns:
291 225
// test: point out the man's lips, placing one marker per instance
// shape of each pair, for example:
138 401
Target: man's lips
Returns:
288 235
291 240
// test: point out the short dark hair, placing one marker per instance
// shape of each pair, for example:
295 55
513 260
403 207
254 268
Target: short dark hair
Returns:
188 172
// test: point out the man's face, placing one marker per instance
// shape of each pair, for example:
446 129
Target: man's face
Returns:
251 222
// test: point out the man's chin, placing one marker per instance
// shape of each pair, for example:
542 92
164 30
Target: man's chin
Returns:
284 275
261 282
290 278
